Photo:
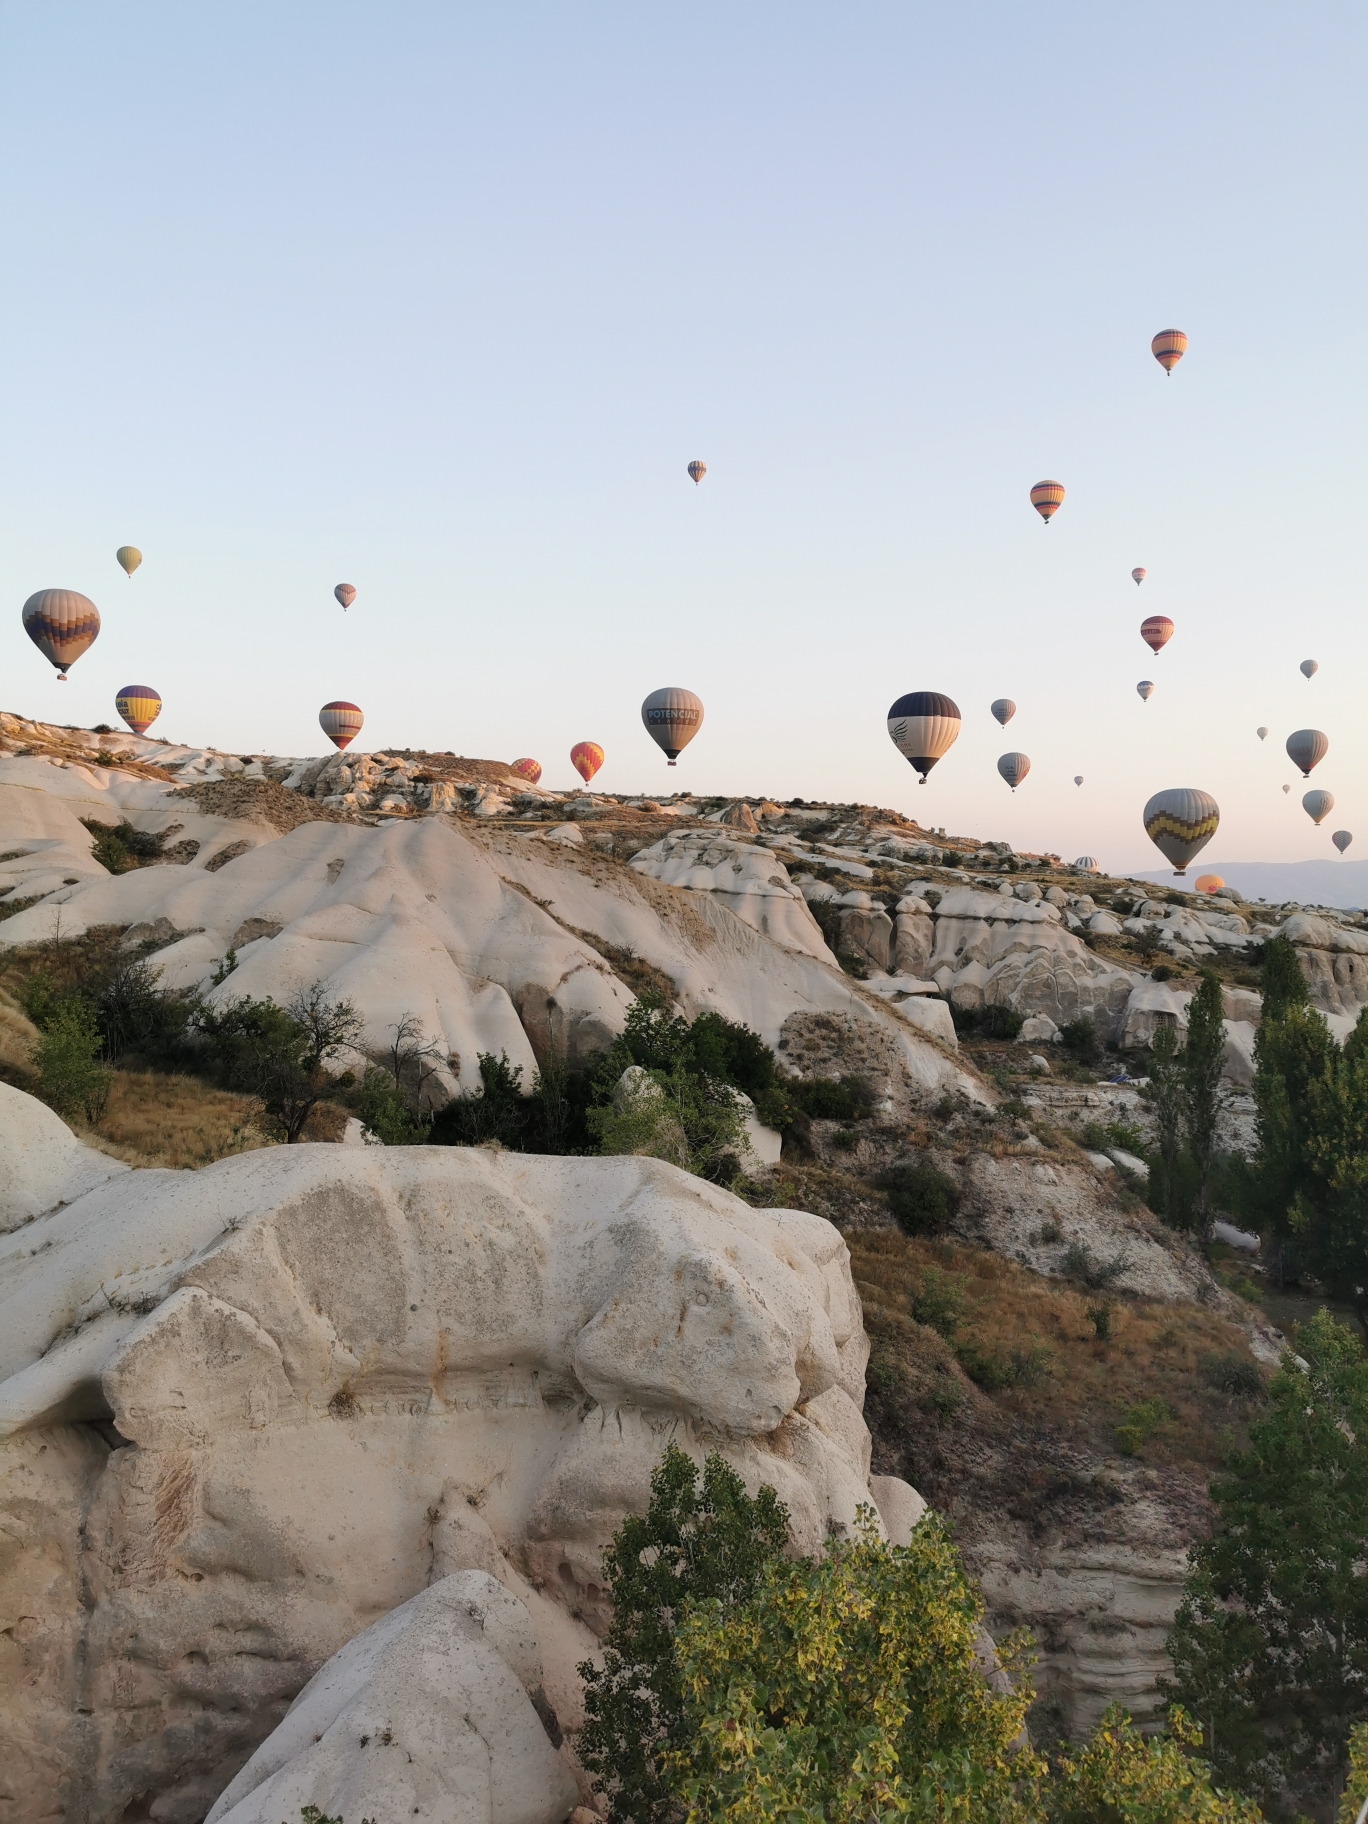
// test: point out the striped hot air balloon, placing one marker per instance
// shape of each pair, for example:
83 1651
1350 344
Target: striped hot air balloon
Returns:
697 470
1088 864
128 557
62 624
1208 883
341 722
1306 748
924 726
1318 805
1004 709
1137 577
1157 631
527 769
345 594
1047 498
1145 689
586 757
1181 822
1168 348
672 717
1014 768
139 705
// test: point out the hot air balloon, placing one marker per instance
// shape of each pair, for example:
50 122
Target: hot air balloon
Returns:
128 557
586 757
345 594
698 470
341 722
1308 668
1046 498
1014 768
1208 883
1307 748
1287 788
1318 805
62 625
924 726
139 705
1262 733
1145 689
1088 864
1157 631
527 769
1180 822
1004 709
1168 348
1137 577
1078 778
1342 839
672 717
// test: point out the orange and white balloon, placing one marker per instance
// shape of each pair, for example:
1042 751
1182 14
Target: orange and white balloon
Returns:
1047 497
527 769
341 722
1168 348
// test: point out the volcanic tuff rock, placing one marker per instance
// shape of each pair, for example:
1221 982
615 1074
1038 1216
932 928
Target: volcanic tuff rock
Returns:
251 1410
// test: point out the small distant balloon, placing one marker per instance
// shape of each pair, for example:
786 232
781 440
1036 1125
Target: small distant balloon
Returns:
1262 733
1004 709
139 705
1078 778
341 722
1306 748
1047 498
345 594
527 769
1088 864
1157 631
1014 768
697 470
1137 577
1208 883
128 557
1180 822
1168 348
1145 689
1318 805
62 624
1342 839
672 718
1287 788
586 757
923 726
1308 668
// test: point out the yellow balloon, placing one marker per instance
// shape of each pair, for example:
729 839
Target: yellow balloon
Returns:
128 557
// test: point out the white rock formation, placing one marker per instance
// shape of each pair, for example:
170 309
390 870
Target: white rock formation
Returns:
250 1410
744 877
1334 959
42 1163
995 948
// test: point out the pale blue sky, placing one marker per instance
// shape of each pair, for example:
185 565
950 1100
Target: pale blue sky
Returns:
441 300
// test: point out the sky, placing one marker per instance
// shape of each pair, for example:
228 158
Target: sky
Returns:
440 300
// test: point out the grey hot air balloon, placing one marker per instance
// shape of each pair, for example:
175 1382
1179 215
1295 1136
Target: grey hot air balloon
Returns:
1342 839
1014 768
345 594
672 717
1137 577
1287 788
62 624
923 726
1180 822
1004 709
1262 733
1307 748
1318 805
1145 689
1078 778
1309 668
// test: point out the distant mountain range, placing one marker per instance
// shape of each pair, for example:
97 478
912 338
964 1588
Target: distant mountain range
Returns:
1314 883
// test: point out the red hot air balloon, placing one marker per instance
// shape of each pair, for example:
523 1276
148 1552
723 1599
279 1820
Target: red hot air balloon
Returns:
586 757
697 470
1046 498
1137 577
1168 349
139 705
527 769
62 624
1157 631
345 594
341 722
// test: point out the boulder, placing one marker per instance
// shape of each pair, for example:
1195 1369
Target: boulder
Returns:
42 1164
1037 1029
1238 1057
867 933
915 938
740 817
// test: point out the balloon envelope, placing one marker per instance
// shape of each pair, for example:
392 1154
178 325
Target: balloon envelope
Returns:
1180 822
1145 688
62 624
1137 577
128 557
1318 805
341 722
1168 348
527 769
923 726
672 717
1342 839
586 757
1308 668
345 594
698 470
139 705
1262 733
1046 498
1088 864
1014 768
1307 748
1208 883
1157 631
1004 709
1078 778
1287 788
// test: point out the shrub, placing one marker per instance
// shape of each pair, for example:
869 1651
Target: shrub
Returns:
1080 1039
134 1014
921 1199
939 1301
118 846
278 1053
1081 1263
1100 1317
1139 1424
821 1099
496 1114
1237 1376
69 1077
995 1370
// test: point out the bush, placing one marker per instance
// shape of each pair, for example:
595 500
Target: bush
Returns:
278 1053
939 1301
1139 1424
848 1098
1100 1317
1080 1039
921 1199
69 1077
1236 1376
1081 1263
993 1022
995 1370
118 846
135 1015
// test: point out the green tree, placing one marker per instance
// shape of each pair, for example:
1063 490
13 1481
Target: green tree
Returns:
70 1076
1270 1647
692 1120
1163 1091
1281 981
1355 1794
280 1053
695 1542
1148 1779
1201 1062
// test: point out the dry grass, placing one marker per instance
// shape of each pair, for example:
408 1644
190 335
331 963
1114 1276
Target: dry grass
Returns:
18 1036
259 801
1035 1334
179 1122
